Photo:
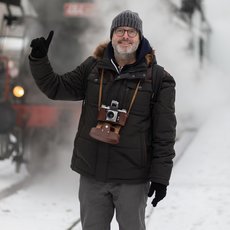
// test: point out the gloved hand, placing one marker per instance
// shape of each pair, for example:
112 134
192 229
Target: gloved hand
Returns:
40 46
160 192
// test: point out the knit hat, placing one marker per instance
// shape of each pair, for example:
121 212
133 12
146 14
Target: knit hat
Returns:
127 18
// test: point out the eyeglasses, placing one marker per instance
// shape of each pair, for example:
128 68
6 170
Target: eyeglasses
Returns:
132 33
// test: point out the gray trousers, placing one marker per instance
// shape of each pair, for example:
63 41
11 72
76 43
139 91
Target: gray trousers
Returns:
98 201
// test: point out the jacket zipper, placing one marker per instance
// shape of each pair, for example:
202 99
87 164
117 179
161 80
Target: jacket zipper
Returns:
115 66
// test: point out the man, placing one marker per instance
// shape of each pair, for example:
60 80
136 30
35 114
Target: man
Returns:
124 146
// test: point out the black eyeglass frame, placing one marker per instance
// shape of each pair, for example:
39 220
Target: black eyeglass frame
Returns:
132 33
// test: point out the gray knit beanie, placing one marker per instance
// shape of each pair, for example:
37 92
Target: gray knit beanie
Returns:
127 18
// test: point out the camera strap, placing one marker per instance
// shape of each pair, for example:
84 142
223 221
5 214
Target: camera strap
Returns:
134 96
100 93
100 90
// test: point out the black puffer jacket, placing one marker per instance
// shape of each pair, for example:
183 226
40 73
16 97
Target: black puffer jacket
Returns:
146 146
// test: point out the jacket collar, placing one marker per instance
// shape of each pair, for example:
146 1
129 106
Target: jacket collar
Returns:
145 53
145 57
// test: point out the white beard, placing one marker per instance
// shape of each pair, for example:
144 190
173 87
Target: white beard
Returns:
125 52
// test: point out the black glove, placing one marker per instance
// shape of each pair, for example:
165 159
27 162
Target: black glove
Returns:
160 192
40 46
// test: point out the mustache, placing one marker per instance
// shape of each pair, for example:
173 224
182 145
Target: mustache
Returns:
125 40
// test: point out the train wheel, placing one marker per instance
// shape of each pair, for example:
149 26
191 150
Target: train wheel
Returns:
12 146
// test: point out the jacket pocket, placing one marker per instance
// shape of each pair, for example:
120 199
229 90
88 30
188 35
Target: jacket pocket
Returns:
92 90
125 158
141 105
86 154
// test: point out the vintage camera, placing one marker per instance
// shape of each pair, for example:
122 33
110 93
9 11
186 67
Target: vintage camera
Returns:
110 120
111 112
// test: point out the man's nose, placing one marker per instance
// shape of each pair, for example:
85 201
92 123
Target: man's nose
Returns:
126 34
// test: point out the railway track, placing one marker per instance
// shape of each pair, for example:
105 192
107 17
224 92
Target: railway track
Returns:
8 191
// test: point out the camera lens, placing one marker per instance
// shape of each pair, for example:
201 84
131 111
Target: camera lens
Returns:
110 114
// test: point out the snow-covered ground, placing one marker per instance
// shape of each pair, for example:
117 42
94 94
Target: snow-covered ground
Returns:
198 196
199 193
50 201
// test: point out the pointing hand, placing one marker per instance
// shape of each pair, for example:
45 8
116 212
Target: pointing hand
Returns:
40 46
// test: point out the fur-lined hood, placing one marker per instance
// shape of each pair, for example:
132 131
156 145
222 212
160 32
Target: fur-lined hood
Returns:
149 54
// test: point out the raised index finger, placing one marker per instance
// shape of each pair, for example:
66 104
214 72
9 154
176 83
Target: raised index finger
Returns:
50 36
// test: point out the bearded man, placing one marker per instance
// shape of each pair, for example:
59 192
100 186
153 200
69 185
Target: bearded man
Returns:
124 146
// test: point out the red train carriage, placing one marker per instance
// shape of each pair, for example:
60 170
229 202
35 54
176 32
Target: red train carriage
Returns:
29 122
26 130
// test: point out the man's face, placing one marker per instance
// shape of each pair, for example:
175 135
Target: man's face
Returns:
125 40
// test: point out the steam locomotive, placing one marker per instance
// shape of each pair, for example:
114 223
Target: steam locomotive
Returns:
18 120
29 122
